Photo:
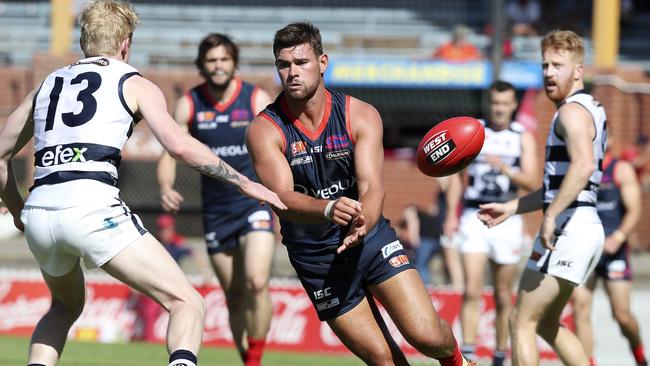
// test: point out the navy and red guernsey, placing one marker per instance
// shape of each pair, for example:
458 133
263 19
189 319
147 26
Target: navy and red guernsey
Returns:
322 164
222 127
610 203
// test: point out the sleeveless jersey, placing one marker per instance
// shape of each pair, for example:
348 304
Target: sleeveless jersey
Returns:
322 164
222 127
485 183
81 122
610 204
557 157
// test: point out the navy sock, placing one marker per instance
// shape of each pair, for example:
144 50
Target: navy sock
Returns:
182 355
468 351
498 358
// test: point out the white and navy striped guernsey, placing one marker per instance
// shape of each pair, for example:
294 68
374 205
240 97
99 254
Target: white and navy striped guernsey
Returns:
557 157
488 184
81 122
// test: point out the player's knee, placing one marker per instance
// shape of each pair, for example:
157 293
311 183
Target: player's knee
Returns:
70 309
512 321
471 294
622 316
257 284
503 299
195 301
431 342
378 356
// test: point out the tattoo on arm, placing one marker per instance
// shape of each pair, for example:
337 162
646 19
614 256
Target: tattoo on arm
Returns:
222 172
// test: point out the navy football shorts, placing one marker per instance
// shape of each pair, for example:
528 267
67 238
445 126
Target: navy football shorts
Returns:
223 235
336 283
615 267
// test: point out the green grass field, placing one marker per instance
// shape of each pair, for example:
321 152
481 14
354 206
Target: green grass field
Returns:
13 351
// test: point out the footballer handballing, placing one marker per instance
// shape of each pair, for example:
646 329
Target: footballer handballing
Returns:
321 151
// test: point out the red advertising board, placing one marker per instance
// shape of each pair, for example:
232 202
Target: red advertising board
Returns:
110 316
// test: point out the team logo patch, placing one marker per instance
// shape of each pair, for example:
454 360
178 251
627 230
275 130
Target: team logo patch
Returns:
301 160
438 147
339 154
206 116
298 148
110 223
336 142
391 248
240 115
327 304
261 225
399 260
237 124
535 256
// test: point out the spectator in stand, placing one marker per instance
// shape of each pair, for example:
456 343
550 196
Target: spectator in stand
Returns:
458 49
524 17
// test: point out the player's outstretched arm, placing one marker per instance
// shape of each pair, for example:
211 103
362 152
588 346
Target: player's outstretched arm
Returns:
145 97
630 188
527 176
15 133
492 214
453 196
170 198
266 146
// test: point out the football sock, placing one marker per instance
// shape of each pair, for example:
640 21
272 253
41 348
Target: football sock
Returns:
468 351
182 357
498 358
456 358
255 350
639 355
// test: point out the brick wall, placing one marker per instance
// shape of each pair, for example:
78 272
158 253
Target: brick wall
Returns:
404 184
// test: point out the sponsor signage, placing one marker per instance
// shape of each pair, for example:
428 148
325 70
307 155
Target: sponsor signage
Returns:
109 316
379 72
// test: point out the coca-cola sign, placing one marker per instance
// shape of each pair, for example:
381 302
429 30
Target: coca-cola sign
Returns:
110 315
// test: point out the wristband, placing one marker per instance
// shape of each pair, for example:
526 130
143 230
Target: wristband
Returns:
329 210
618 234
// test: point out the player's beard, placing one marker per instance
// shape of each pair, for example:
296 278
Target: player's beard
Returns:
302 94
217 85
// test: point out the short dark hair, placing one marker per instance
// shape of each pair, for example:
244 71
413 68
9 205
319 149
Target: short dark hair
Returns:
215 40
296 34
501 86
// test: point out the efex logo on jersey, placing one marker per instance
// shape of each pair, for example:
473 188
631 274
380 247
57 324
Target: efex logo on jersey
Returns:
61 154
439 146
76 153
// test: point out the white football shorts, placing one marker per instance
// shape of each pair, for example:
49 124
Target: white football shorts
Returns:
503 243
97 232
577 249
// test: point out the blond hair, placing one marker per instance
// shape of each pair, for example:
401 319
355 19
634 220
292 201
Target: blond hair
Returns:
105 24
564 40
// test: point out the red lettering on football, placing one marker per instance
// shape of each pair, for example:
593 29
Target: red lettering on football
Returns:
450 146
